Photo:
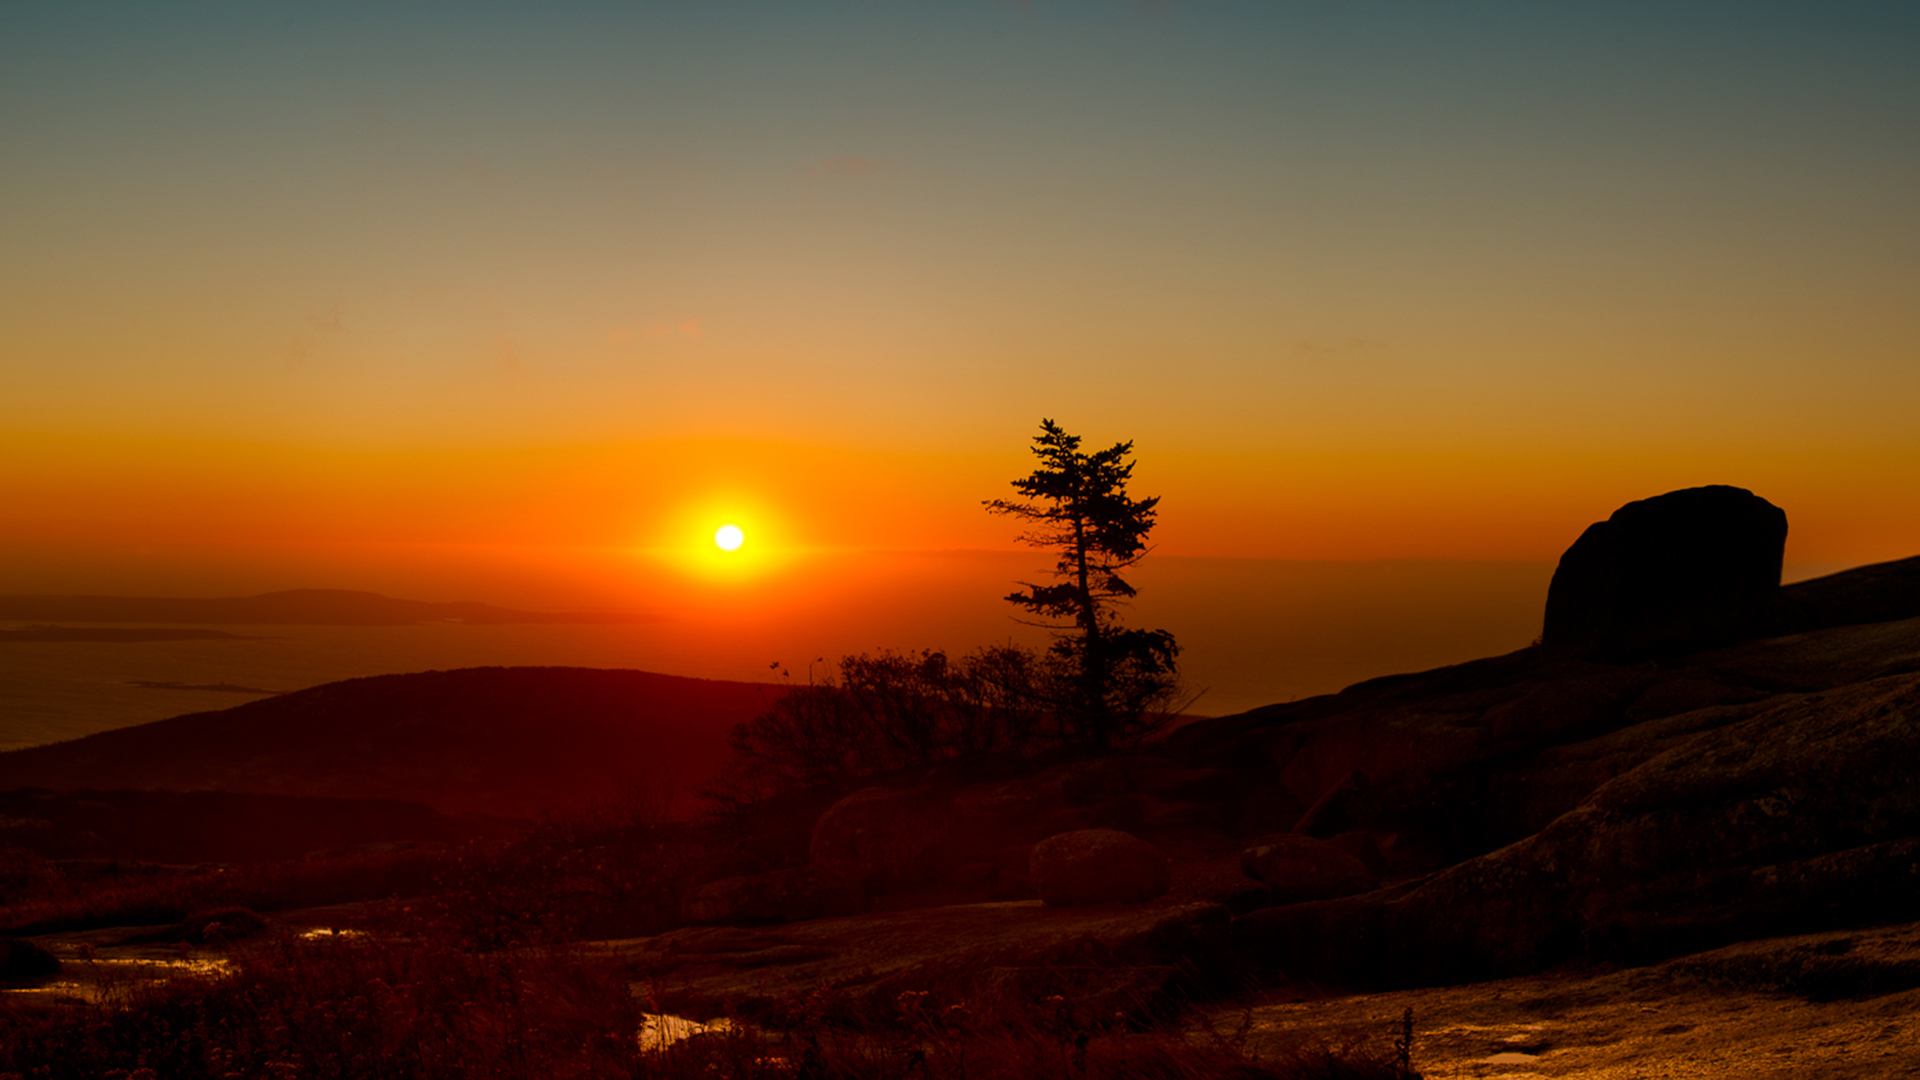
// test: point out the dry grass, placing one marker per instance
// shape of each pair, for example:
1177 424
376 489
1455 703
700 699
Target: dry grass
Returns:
481 978
426 1008
344 1008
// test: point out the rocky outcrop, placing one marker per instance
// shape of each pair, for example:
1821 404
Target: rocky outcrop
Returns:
1882 592
1804 817
1682 570
1097 866
1486 797
1832 1005
777 896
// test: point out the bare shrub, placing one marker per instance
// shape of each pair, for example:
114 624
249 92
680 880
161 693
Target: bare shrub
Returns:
875 713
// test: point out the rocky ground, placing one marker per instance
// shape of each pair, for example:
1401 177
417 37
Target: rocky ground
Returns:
1763 1010
1141 959
1840 1004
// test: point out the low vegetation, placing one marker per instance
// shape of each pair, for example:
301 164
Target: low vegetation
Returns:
424 1007
479 961
882 712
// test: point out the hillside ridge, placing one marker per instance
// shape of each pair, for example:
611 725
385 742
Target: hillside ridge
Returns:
506 741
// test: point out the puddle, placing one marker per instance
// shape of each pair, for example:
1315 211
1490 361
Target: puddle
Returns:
97 980
59 990
659 1031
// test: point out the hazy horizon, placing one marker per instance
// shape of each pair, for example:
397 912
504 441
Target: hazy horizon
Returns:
1254 632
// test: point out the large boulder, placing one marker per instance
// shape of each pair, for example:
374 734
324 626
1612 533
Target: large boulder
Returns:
882 838
1094 866
1686 569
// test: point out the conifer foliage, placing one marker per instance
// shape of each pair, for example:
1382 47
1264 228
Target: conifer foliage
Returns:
1121 680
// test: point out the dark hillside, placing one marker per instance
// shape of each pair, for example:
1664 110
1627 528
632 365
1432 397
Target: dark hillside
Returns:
510 742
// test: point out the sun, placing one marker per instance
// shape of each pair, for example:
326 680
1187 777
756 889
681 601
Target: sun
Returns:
729 538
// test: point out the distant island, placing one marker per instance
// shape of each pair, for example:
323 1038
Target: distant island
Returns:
214 688
294 607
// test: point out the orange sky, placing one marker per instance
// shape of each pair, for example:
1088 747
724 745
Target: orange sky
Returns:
297 299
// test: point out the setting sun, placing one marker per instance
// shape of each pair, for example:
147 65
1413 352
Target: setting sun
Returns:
729 538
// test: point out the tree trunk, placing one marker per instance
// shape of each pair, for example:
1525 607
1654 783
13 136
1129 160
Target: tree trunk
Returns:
1093 674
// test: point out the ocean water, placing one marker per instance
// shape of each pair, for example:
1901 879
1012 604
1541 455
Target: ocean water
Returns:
1253 632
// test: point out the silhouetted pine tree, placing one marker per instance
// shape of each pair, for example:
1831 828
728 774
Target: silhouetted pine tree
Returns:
1120 680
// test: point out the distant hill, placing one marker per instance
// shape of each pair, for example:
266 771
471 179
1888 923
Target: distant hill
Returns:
511 742
115 635
295 607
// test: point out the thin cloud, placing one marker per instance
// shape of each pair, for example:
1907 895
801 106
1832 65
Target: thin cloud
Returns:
323 328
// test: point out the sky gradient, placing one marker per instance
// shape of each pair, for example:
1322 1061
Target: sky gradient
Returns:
300 291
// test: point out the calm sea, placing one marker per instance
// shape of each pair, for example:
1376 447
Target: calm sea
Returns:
1253 632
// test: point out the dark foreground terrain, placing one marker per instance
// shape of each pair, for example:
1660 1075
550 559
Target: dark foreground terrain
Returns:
1686 847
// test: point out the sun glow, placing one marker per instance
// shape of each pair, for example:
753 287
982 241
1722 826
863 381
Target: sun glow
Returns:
731 538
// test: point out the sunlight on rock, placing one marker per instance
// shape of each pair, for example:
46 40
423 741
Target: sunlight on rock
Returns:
659 1031
328 933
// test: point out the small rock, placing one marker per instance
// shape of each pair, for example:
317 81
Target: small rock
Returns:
1092 866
